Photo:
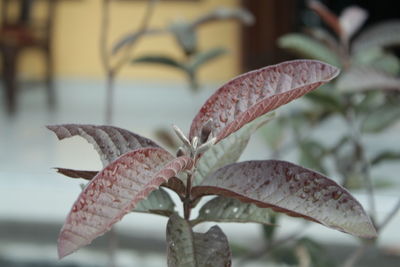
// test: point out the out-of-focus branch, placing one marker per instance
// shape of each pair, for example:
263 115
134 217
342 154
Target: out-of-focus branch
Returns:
389 217
143 29
112 70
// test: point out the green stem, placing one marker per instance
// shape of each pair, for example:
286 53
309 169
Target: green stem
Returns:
361 156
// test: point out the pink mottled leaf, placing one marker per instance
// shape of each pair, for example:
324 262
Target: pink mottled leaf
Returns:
174 183
291 189
110 142
255 93
115 191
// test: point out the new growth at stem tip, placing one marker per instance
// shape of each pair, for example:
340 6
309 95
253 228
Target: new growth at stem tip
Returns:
197 145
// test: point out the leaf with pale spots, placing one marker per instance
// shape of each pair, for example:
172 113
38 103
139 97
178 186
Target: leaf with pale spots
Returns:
186 248
110 142
224 209
255 93
158 202
291 189
229 149
115 191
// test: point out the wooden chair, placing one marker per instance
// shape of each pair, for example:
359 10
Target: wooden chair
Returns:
21 32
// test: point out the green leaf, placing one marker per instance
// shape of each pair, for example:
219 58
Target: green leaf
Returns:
158 202
188 249
185 36
306 47
363 78
328 99
203 57
160 59
384 156
356 181
229 149
318 255
274 134
378 35
381 119
378 58
371 100
223 209
270 230
312 155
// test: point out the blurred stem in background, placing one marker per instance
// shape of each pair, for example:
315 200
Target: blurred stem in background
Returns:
111 71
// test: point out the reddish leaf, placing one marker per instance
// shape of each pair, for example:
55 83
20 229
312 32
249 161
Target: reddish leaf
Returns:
326 15
176 185
110 142
114 192
173 183
87 175
288 188
255 93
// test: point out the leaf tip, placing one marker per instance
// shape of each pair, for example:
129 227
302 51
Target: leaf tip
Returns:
368 231
63 248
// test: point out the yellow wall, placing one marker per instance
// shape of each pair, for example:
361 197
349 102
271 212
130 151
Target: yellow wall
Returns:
76 40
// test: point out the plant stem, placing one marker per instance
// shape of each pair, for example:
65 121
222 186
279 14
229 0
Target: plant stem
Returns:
187 203
273 245
389 217
109 97
142 31
105 59
355 256
112 71
365 166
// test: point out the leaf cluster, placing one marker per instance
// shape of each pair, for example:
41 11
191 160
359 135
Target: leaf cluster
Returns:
136 169
365 96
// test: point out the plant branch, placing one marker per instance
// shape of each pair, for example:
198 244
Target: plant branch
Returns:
105 59
272 245
110 70
389 217
355 256
187 203
105 26
141 31
365 166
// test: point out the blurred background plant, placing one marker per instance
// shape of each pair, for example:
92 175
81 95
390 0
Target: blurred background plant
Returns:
364 101
185 34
